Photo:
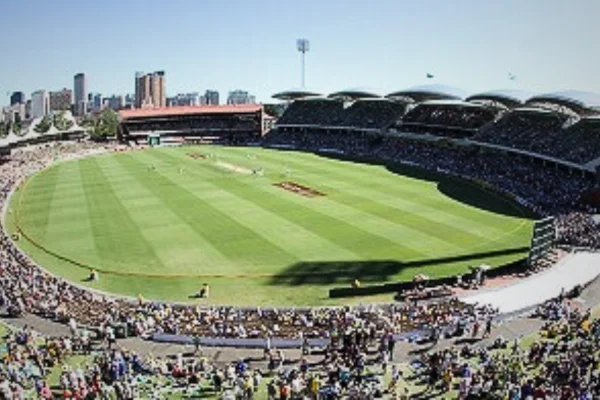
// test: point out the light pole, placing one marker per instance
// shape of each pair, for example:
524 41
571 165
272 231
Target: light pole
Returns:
303 45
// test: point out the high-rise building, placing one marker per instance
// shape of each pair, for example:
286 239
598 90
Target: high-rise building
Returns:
159 94
129 100
211 97
142 88
61 100
150 90
116 102
155 90
28 109
17 98
80 90
240 97
14 113
185 99
40 104
97 104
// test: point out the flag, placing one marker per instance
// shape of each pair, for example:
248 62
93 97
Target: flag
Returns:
429 76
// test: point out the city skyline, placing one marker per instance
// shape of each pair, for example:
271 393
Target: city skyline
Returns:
470 45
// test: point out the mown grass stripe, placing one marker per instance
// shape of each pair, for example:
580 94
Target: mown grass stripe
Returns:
367 242
250 208
431 225
117 239
69 231
223 232
37 203
408 229
459 216
174 241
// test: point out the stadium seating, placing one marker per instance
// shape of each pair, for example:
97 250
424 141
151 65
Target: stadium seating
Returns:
545 133
372 114
452 119
316 112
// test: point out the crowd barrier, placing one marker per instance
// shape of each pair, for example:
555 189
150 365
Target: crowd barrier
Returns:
510 268
261 343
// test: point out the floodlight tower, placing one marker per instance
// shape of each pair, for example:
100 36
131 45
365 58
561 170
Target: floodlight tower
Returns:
303 45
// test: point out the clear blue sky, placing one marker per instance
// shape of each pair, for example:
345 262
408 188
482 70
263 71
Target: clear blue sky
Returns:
388 45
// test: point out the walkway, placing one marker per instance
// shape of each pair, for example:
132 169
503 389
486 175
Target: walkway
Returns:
572 270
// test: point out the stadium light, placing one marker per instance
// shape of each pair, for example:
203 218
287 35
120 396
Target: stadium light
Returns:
303 45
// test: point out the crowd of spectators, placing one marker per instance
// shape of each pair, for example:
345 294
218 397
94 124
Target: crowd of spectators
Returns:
360 114
315 112
352 365
577 230
372 114
454 120
30 360
546 133
561 363
451 120
536 130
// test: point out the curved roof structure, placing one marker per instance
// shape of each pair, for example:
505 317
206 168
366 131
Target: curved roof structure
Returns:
294 94
535 110
430 92
449 102
357 93
579 101
509 97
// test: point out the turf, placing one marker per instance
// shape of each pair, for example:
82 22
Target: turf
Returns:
172 222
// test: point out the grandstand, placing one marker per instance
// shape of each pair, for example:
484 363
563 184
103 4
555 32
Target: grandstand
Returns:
450 118
560 129
226 123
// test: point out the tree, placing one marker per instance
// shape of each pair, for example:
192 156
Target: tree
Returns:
44 125
61 122
16 127
106 124
86 122
4 127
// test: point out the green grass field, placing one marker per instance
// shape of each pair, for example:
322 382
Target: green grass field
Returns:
160 223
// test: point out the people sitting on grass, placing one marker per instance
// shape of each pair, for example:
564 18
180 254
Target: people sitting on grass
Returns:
560 361
204 291
93 277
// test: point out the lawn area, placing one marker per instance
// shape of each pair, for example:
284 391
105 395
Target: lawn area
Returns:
161 222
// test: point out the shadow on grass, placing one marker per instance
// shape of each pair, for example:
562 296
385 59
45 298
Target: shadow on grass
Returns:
335 272
466 192
456 188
